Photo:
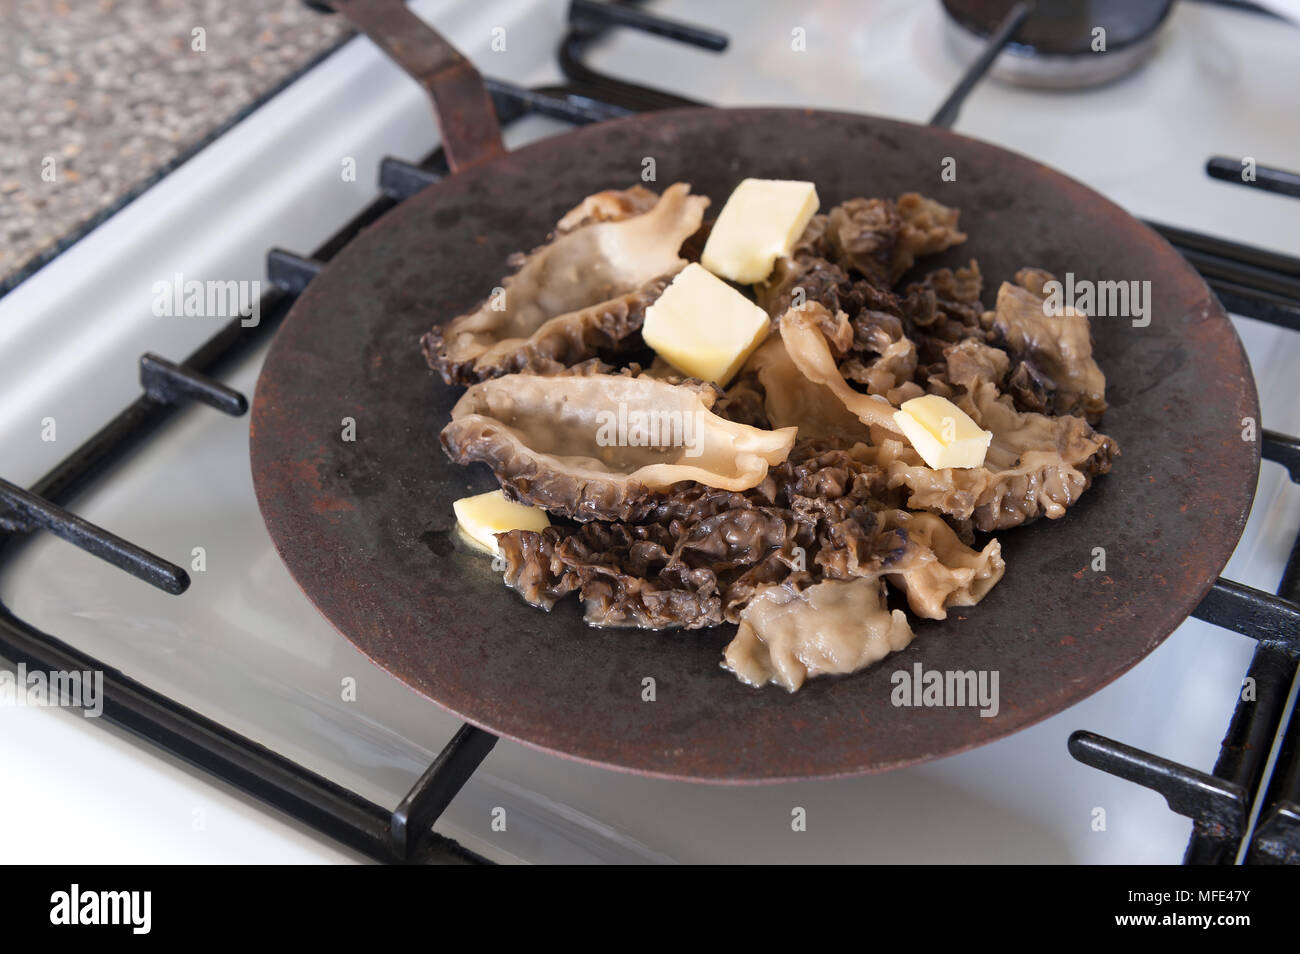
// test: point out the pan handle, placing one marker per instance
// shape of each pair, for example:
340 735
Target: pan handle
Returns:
466 117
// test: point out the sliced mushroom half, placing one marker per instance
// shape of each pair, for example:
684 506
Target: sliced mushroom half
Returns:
584 291
601 446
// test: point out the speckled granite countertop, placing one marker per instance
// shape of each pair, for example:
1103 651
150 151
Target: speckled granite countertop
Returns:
98 96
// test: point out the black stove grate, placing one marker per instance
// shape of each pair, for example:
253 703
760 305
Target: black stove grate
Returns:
1249 281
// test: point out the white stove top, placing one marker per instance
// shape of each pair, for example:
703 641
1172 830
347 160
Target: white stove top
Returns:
244 646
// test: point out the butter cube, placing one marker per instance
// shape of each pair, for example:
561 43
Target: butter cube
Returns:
942 433
703 327
488 514
761 221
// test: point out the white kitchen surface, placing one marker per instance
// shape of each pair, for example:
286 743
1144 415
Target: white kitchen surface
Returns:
244 646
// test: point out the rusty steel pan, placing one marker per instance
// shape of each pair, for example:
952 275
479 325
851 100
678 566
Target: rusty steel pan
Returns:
366 526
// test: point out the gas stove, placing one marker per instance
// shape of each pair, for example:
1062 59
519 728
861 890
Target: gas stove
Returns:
214 660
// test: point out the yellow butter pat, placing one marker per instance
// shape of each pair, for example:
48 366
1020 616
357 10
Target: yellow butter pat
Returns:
761 221
703 327
942 433
486 515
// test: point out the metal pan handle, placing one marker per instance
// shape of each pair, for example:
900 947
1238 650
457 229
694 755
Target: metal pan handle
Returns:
462 105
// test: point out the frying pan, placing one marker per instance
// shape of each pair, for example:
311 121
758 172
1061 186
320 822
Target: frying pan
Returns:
365 525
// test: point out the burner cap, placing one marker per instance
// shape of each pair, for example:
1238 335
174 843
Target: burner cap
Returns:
1054 46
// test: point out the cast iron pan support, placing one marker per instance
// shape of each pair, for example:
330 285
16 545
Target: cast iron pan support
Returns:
401 835
589 21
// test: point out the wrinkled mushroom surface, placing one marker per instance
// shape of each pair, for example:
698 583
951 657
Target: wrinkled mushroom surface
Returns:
585 291
598 446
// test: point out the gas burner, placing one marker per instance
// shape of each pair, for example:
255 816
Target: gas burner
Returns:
1062 44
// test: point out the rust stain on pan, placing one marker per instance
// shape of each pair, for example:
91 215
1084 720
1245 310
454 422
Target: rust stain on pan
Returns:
392 576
